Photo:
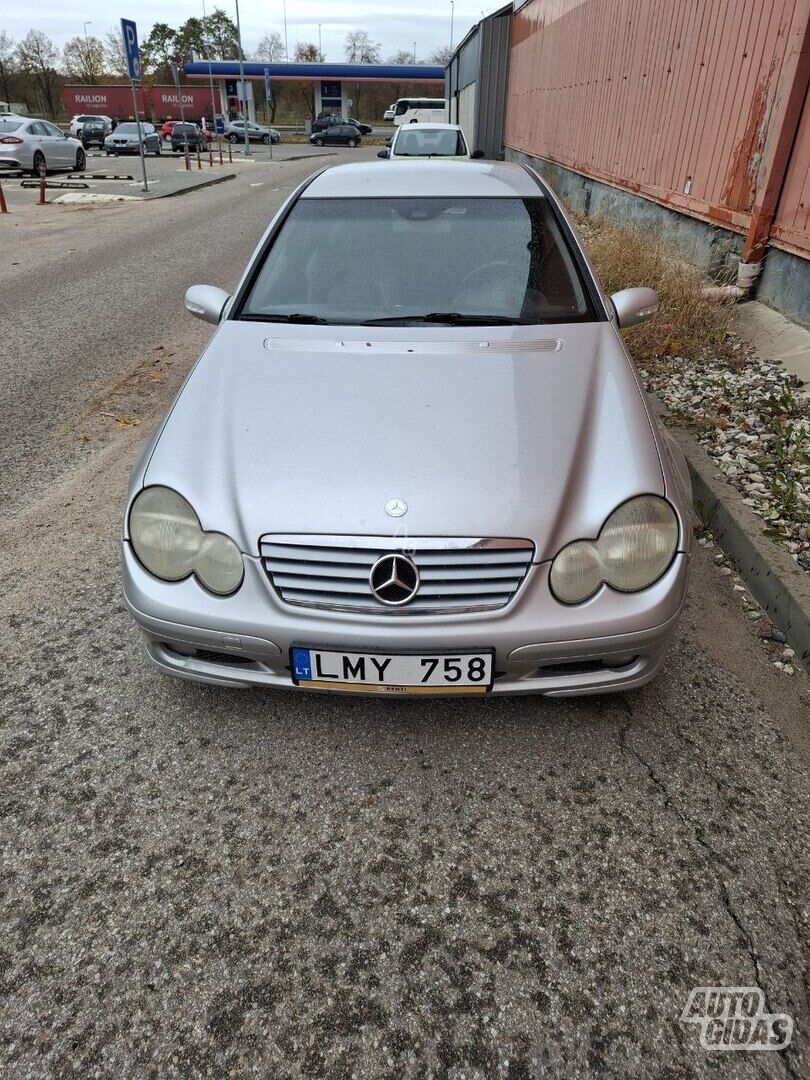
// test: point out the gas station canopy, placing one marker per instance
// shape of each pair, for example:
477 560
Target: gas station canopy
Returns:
330 81
401 73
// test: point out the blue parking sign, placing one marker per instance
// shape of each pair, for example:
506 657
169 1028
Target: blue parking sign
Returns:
129 33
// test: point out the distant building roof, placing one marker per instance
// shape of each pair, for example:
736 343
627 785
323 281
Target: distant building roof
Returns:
406 73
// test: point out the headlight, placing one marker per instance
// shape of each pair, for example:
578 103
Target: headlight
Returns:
219 564
169 542
633 549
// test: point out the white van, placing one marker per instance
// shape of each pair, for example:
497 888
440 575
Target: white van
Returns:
420 110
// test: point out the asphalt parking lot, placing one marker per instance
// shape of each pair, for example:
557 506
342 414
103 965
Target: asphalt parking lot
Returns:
118 178
207 883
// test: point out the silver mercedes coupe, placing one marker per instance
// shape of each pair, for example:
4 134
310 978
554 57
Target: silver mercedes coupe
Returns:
414 458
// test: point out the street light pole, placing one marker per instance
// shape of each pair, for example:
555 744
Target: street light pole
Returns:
242 79
87 49
286 46
452 12
414 52
320 43
211 81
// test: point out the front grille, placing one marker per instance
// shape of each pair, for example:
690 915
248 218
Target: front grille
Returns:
458 574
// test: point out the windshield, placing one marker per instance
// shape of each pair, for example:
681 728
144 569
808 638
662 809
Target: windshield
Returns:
452 260
129 129
417 141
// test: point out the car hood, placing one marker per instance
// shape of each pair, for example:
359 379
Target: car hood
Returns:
524 432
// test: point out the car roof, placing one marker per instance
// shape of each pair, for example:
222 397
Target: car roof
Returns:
428 127
423 178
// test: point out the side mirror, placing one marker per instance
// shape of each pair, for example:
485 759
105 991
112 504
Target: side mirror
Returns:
477 154
634 306
389 140
384 153
206 302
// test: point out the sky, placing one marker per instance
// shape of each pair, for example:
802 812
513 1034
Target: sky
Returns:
396 25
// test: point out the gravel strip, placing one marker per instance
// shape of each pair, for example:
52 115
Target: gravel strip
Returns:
752 417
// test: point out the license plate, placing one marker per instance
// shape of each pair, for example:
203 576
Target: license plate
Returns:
386 673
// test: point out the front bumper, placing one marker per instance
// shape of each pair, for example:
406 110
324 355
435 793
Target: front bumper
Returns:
611 642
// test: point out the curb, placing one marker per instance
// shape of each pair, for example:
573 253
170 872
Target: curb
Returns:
186 190
772 576
86 198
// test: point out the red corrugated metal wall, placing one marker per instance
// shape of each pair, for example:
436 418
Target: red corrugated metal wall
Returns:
791 227
677 100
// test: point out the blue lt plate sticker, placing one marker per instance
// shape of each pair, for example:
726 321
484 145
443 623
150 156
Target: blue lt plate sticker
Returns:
302 666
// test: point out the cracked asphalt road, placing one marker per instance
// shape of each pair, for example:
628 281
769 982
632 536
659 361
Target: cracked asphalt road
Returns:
207 883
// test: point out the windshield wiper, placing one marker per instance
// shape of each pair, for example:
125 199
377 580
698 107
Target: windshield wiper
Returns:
449 318
296 317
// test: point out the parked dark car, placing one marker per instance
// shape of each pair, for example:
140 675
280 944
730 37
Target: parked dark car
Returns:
187 135
337 135
325 122
94 132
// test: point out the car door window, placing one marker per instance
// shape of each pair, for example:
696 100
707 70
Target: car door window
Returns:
38 128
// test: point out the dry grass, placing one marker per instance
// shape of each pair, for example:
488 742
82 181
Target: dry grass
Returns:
686 325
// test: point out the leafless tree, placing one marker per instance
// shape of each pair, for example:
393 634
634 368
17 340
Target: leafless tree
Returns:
38 59
114 59
402 56
83 58
360 49
441 57
7 62
270 48
307 52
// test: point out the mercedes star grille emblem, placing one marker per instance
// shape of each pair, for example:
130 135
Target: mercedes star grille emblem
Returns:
396 508
394 580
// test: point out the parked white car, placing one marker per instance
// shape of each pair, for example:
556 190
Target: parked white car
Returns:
27 143
77 121
429 141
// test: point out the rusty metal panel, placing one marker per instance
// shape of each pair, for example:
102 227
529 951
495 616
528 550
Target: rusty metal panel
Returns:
791 226
675 100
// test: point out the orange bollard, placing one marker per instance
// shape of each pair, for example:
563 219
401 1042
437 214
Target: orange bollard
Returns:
3 207
188 160
210 157
220 153
42 184
230 151
199 161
